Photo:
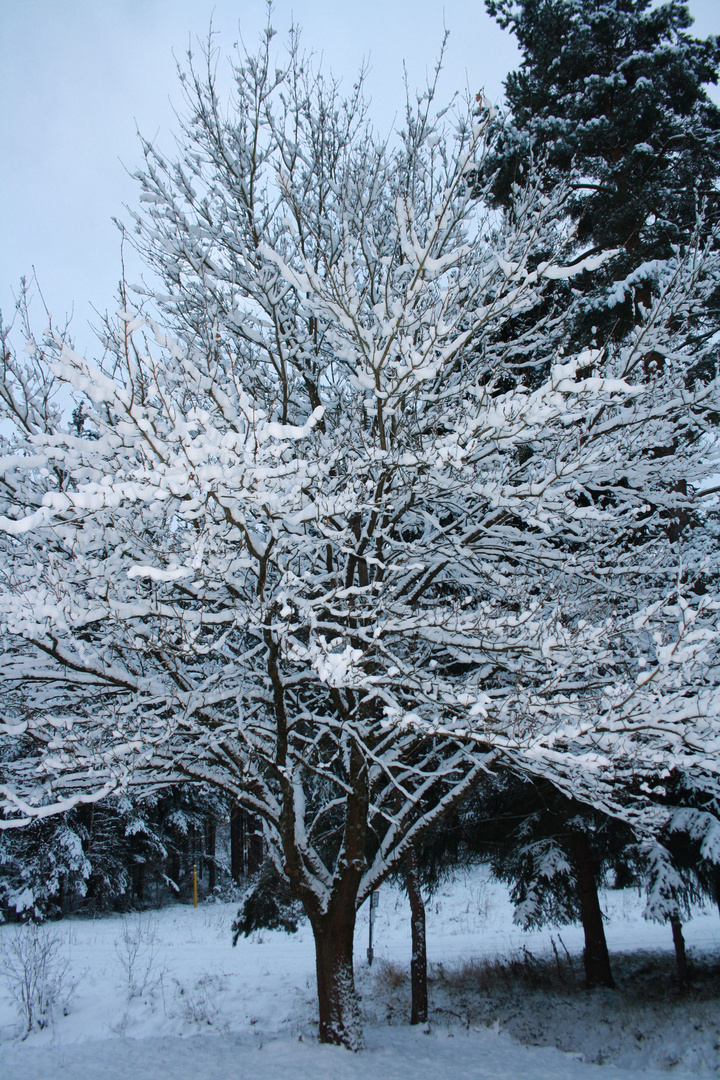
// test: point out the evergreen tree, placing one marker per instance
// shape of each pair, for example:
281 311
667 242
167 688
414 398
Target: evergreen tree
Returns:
113 854
610 100
552 851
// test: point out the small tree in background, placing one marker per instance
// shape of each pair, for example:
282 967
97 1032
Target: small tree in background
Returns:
552 852
670 893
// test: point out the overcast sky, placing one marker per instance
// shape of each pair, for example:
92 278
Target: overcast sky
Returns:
78 76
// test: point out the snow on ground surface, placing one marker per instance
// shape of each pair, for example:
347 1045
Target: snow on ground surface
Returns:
503 1003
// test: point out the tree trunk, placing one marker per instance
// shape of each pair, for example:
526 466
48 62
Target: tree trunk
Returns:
595 955
680 954
236 842
418 961
138 874
255 846
337 1000
333 921
210 835
175 866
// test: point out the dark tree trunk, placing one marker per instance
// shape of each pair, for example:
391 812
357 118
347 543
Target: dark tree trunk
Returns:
139 881
337 999
255 847
332 919
210 835
680 954
175 866
418 961
187 851
595 955
195 864
236 842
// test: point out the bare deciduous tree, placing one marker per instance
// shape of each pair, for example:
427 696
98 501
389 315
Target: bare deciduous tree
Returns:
315 541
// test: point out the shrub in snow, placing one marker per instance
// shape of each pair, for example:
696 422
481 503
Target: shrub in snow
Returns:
35 969
196 1002
137 950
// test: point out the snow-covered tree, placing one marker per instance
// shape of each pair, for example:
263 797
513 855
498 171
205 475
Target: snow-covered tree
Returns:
552 851
302 542
692 839
669 895
611 97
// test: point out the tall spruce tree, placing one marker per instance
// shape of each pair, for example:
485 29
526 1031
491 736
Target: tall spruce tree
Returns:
610 99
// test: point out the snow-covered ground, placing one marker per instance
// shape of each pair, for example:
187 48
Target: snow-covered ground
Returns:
164 995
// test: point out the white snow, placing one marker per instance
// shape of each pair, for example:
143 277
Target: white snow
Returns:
207 1010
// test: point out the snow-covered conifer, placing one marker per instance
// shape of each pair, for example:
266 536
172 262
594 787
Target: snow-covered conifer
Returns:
610 97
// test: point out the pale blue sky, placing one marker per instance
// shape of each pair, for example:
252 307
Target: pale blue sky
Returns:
76 76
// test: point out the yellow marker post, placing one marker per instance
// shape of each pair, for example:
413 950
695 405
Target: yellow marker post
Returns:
194 886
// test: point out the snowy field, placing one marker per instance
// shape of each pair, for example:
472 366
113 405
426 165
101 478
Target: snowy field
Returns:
164 994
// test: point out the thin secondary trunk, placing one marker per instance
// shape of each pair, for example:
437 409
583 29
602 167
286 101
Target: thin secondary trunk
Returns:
210 836
337 999
175 866
595 955
255 846
418 961
680 954
236 842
